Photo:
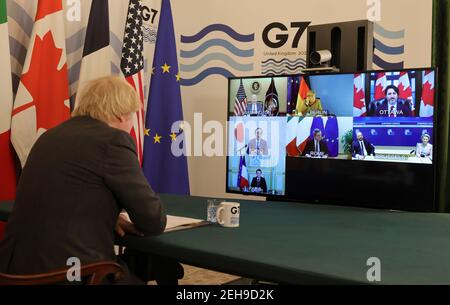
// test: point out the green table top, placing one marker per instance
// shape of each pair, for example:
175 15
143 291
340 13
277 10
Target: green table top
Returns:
297 243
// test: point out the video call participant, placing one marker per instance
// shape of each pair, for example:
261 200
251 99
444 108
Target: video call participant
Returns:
258 146
91 174
392 106
310 106
316 148
259 184
361 148
255 108
424 149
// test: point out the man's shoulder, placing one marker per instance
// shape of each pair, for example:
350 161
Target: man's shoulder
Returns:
90 131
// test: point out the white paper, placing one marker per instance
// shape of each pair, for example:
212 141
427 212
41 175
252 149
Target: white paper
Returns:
176 221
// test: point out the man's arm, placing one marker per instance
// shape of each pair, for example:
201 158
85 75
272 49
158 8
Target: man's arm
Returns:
124 177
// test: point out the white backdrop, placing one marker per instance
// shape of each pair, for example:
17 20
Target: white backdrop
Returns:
217 38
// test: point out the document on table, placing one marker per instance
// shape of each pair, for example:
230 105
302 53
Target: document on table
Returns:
175 223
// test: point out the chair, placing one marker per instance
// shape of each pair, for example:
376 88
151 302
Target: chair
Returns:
95 273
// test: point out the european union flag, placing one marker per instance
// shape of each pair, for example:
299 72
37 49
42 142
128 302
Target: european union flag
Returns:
164 164
332 136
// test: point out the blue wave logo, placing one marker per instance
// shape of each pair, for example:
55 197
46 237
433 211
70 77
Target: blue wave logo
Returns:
150 34
382 47
272 67
195 60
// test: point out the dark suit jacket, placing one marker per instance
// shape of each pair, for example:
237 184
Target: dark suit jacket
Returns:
403 109
77 179
259 107
310 148
356 148
262 184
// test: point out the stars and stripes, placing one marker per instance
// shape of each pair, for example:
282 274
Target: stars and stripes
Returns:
240 101
132 66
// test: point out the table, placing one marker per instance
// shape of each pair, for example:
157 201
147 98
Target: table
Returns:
296 243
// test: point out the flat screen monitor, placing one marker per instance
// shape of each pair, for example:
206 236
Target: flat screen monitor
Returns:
361 139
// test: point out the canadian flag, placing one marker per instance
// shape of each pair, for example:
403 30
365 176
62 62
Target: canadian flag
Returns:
359 96
380 86
427 103
291 133
7 168
42 99
404 88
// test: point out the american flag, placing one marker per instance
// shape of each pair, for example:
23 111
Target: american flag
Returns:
240 102
132 66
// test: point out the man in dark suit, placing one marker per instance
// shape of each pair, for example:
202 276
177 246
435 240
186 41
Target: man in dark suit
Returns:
316 148
259 184
258 146
392 106
255 108
361 148
78 177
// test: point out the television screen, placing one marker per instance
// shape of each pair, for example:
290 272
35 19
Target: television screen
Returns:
362 139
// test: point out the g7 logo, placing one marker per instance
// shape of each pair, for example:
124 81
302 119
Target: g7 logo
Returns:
234 210
148 14
282 39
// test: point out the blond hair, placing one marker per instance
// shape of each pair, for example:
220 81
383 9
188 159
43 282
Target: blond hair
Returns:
107 99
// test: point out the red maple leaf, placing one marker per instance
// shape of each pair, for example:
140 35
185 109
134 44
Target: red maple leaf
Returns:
428 94
48 86
405 92
358 98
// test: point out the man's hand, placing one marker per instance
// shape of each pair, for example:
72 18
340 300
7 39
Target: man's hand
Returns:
125 226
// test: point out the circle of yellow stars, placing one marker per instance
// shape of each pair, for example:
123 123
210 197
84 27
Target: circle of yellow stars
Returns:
166 69
157 138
